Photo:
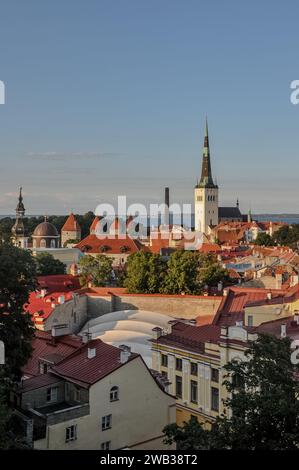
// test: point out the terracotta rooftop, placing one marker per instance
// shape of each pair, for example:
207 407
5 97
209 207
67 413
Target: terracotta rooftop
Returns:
274 327
190 337
109 244
232 306
79 368
39 381
59 283
71 224
44 347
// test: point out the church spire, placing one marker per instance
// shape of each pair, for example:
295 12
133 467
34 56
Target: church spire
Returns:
20 209
206 180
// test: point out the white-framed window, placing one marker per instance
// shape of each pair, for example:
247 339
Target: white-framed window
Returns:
106 445
114 393
71 433
106 422
52 393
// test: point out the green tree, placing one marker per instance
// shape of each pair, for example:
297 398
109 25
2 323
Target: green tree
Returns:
190 272
182 273
97 270
288 235
210 272
47 265
262 411
190 436
17 280
144 273
263 239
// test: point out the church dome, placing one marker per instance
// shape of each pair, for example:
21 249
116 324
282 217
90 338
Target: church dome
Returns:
45 229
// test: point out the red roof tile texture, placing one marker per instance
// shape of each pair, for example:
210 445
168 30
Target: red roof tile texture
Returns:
59 283
109 245
232 306
80 368
71 224
190 337
44 347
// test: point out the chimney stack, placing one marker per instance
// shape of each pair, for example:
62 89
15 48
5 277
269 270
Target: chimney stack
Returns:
91 353
125 353
157 332
86 337
283 330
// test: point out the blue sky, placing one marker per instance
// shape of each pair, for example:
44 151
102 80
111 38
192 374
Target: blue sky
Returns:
108 97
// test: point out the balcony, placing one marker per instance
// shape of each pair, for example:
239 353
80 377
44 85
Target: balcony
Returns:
57 413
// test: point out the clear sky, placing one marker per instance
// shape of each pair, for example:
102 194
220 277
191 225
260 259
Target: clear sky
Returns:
108 97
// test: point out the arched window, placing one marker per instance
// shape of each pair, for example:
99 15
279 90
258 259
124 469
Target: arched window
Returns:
53 243
114 394
42 243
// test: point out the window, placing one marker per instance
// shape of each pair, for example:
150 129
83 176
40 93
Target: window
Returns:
114 394
193 368
164 374
238 381
215 399
193 391
250 320
106 422
178 364
52 394
105 445
215 375
71 433
77 394
164 360
178 386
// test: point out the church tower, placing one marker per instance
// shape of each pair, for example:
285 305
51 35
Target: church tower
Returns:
19 232
206 193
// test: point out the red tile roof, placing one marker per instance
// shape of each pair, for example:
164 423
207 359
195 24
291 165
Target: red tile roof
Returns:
45 347
59 283
232 306
190 337
42 307
80 368
71 224
109 244
39 381
94 224
274 327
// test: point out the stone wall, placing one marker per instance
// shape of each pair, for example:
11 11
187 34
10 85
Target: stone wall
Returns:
187 307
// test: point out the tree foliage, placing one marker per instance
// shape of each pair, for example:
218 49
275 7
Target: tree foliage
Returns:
264 239
17 279
144 273
97 270
47 265
262 408
185 272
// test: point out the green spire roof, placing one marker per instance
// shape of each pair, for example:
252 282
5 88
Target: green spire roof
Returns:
206 180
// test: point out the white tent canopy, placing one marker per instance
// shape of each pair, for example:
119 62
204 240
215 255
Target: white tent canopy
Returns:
130 327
